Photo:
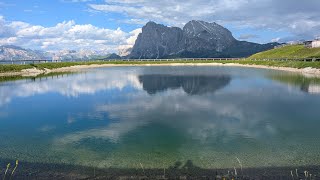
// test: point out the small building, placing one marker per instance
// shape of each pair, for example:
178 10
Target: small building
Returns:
315 43
312 44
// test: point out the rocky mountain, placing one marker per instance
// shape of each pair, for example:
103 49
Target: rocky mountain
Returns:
196 39
9 52
79 55
157 41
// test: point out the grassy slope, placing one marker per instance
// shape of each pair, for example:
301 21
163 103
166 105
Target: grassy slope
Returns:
294 51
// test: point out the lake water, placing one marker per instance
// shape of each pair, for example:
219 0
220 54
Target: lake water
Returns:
126 117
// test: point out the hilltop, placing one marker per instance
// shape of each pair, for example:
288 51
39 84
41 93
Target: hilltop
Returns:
291 51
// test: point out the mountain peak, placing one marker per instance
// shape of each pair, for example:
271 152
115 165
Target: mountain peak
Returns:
196 39
196 27
201 22
151 23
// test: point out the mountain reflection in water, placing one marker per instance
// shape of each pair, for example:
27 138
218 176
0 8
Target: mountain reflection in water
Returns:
192 85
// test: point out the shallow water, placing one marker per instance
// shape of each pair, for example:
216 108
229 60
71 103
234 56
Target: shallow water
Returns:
156 116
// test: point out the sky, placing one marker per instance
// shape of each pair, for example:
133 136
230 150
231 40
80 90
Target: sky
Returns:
113 25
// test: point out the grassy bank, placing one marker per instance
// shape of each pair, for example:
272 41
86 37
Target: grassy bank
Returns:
294 51
18 68
14 67
293 64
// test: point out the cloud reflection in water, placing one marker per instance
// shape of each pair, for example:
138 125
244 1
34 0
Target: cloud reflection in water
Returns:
177 113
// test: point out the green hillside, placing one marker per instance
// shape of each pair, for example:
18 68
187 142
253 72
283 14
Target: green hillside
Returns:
294 51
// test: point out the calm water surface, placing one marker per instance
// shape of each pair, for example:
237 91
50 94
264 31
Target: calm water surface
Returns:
156 116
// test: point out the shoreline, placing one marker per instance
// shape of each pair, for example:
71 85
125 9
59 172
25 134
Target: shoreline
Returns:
33 170
35 72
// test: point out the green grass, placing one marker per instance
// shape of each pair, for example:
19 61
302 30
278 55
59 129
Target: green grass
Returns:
14 67
17 68
294 51
293 64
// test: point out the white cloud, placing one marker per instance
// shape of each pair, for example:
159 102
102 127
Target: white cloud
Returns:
134 21
300 18
5 31
64 35
275 39
124 50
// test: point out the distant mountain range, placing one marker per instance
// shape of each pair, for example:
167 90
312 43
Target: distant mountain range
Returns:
9 52
197 39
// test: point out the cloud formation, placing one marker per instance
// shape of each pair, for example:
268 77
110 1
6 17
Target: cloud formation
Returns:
299 18
64 35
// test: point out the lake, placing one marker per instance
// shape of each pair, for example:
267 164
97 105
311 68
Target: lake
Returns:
154 117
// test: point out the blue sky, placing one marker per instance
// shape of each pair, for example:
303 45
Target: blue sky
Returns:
51 12
111 25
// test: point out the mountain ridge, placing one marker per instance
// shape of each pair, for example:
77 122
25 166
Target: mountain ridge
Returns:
12 52
197 39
